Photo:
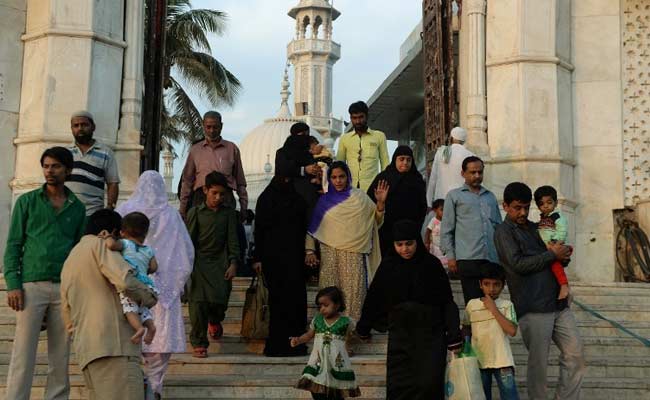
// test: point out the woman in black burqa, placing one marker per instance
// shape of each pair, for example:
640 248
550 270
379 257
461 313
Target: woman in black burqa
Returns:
411 296
407 198
280 229
294 159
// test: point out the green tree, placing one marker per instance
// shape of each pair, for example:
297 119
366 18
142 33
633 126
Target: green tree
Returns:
189 62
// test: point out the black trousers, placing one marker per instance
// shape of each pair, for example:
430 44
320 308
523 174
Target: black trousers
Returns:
470 274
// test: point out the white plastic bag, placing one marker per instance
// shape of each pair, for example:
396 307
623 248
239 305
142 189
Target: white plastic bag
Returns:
463 379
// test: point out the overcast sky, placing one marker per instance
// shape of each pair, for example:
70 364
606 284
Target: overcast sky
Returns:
254 49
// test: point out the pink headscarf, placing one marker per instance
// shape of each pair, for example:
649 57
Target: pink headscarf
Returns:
167 235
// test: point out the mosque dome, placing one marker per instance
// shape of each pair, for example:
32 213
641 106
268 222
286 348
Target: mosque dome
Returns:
258 147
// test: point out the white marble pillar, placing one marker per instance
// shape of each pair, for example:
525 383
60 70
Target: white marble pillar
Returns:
475 11
168 169
72 60
12 26
128 147
530 106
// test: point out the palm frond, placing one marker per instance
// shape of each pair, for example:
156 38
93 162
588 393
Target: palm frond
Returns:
188 120
177 7
191 27
208 77
188 50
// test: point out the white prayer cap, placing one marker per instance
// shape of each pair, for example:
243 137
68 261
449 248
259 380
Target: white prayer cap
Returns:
459 133
84 114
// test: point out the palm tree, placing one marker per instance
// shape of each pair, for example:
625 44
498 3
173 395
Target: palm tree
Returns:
188 57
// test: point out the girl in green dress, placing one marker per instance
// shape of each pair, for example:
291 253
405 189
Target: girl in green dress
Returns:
328 374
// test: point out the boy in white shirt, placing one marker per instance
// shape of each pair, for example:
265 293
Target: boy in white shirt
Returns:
493 321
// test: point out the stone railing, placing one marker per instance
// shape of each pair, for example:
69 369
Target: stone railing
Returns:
314 45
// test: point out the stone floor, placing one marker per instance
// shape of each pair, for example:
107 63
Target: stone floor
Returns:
619 366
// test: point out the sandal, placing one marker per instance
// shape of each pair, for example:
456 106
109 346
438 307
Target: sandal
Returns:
200 352
215 331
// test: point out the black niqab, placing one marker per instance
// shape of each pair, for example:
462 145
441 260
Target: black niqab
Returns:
406 197
415 297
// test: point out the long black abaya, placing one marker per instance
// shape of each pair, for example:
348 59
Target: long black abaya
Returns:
280 229
406 198
415 297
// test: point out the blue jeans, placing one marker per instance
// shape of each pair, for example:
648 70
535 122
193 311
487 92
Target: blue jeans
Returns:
505 381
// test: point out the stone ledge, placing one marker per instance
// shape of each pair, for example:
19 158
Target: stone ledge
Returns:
530 158
82 34
530 58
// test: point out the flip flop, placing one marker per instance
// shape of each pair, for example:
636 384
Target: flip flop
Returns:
215 331
200 352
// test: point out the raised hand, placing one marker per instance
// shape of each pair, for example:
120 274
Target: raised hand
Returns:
381 192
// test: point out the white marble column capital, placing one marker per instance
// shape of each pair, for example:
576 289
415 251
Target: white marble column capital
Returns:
475 7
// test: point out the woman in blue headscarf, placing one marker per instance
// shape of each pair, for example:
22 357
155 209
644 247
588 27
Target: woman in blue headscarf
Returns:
346 222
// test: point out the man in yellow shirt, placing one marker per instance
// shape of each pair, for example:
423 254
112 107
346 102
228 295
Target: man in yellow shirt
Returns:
364 149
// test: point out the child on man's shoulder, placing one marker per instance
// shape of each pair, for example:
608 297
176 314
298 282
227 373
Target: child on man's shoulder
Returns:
135 227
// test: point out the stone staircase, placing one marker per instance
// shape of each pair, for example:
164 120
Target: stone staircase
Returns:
618 365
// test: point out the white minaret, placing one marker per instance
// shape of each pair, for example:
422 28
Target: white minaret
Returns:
313 54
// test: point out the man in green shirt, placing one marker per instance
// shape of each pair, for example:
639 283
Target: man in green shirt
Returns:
46 223
364 150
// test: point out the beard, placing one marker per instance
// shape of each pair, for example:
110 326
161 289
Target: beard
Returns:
361 127
84 139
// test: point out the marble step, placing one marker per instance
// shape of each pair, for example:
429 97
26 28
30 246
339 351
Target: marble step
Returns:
588 297
617 307
280 387
637 367
589 293
595 346
588 325
238 386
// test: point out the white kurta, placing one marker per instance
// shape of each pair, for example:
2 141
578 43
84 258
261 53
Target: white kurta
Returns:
446 176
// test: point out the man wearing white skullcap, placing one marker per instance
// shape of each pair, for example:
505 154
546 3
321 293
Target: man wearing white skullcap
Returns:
447 165
95 168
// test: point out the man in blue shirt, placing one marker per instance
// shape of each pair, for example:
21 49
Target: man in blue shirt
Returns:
470 215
